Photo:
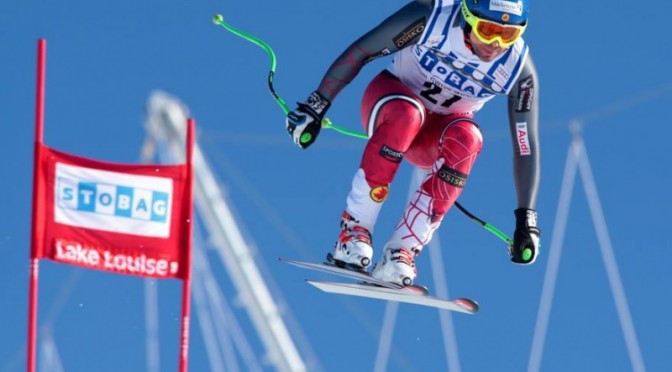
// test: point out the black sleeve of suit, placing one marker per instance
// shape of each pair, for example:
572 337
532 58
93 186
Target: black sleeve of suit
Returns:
401 29
523 106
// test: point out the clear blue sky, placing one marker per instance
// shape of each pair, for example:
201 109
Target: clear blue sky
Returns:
605 64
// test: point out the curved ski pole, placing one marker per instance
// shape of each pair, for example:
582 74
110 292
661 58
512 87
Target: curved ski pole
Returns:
218 19
495 231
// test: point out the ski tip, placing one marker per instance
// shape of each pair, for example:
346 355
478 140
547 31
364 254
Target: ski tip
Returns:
469 305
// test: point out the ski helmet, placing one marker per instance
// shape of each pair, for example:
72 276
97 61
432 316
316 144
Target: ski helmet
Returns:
507 12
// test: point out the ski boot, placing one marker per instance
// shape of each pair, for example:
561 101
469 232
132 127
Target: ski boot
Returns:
353 248
396 266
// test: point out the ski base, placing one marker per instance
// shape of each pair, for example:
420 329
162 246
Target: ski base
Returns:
373 288
462 305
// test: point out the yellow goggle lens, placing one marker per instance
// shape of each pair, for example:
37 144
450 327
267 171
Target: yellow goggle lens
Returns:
488 32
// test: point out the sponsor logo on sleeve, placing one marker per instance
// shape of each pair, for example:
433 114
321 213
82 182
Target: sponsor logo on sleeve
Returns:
523 139
381 53
391 154
525 94
410 33
111 201
452 177
379 194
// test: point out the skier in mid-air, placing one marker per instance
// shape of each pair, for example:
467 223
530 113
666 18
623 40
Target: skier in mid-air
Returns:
450 58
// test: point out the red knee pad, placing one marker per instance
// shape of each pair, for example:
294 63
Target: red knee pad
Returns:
460 144
397 121
400 113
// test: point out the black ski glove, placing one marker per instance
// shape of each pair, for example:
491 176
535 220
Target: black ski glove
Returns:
526 237
304 123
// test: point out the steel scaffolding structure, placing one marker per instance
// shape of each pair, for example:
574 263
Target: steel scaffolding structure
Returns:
165 125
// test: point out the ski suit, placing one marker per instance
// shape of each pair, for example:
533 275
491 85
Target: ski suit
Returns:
421 108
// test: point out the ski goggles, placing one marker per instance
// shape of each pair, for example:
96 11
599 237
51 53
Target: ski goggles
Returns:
488 31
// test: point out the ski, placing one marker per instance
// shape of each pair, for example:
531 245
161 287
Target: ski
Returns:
462 305
373 288
351 273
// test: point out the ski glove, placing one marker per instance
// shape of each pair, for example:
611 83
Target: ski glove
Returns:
526 237
304 123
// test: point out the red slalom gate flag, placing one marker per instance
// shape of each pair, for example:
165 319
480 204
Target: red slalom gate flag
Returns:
127 219
123 218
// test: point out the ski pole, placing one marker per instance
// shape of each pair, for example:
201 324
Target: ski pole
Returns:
495 231
218 19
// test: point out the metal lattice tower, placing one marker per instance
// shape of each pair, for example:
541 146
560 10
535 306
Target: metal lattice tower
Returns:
166 126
